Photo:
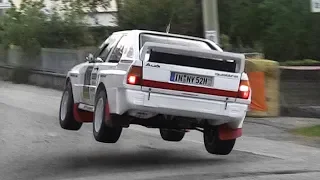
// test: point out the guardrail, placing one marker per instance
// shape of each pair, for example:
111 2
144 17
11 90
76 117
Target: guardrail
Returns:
36 77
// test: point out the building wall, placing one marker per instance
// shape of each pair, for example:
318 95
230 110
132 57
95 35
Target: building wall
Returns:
4 4
102 19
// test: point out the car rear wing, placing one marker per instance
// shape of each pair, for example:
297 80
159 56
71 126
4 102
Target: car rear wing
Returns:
191 51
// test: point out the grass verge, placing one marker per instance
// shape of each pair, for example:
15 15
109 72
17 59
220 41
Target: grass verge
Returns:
313 131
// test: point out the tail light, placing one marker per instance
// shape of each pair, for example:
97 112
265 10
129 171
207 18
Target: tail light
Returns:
135 75
244 89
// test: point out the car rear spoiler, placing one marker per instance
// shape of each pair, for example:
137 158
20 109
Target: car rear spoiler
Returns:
191 51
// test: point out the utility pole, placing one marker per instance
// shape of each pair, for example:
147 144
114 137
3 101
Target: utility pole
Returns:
211 20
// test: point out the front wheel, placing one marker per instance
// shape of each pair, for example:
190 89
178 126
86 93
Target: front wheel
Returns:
66 118
214 145
102 132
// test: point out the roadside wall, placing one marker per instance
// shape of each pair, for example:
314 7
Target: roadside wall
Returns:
50 60
300 92
34 77
48 69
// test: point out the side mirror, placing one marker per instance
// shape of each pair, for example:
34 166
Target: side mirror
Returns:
89 57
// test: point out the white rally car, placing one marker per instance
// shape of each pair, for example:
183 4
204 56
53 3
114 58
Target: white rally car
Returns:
159 80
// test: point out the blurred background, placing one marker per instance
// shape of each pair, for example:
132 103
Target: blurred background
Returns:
40 40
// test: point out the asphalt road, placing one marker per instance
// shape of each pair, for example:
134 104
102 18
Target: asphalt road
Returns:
33 146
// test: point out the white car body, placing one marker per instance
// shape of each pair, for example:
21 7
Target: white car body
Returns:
150 99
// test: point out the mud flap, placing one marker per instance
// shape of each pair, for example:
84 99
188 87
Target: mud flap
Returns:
227 133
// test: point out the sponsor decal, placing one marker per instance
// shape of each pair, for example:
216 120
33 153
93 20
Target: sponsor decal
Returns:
86 84
89 108
94 76
86 107
153 65
92 89
73 75
226 75
126 61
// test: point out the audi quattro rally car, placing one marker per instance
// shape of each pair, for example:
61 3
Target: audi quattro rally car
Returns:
159 80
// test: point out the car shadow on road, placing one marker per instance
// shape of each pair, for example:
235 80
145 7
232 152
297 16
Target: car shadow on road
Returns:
84 164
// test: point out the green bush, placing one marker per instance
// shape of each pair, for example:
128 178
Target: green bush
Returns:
30 28
101 33
285 29
185 15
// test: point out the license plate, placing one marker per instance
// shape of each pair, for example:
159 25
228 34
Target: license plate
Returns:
191 79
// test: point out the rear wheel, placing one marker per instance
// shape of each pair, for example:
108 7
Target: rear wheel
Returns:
172 135
66 118
102 132
214 145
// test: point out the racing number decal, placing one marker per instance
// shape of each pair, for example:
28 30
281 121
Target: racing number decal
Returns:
86 85
94 78
93 84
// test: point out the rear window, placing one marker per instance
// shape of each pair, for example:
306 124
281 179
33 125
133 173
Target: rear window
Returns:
174 41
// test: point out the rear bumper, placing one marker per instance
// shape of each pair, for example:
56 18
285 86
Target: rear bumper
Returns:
215 111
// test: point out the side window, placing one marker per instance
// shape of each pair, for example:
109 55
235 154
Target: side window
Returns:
109 45
118 50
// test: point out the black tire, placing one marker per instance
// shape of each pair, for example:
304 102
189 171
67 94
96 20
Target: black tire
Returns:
214 145
172 135
68 121
106 133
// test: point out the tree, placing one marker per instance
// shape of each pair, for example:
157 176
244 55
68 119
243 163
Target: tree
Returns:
292 29
184 15
285 29
31 28
240 21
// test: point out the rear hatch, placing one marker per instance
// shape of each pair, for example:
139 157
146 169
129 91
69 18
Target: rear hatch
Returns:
192 72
